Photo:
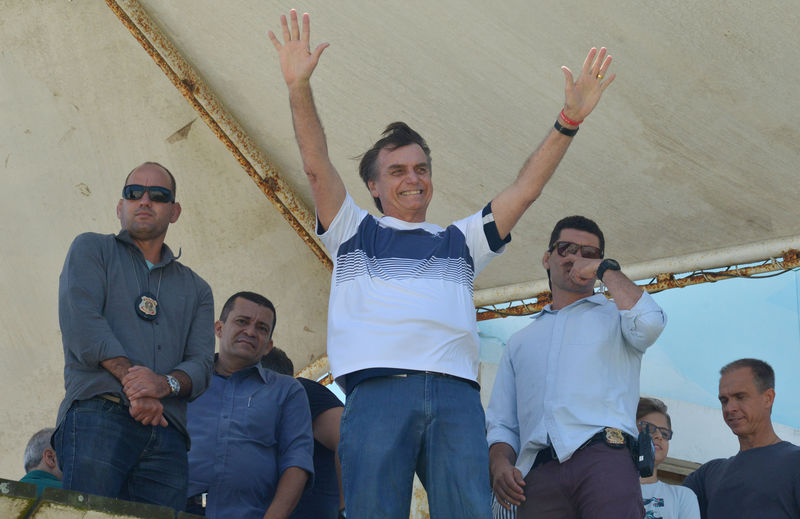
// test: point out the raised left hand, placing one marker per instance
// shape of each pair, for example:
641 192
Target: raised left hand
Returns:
583 94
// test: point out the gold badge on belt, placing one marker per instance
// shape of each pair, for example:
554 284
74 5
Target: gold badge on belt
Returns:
614 437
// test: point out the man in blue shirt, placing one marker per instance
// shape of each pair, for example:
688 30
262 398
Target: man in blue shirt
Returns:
252 445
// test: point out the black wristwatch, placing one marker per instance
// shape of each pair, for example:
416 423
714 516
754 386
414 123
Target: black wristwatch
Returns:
607 264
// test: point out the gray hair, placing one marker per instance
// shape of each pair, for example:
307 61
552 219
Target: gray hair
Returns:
36 446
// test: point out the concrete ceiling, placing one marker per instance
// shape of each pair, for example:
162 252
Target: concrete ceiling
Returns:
693 149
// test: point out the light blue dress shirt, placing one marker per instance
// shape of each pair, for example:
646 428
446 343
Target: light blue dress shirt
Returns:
570 373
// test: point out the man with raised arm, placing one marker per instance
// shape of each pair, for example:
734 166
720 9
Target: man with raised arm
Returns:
402 338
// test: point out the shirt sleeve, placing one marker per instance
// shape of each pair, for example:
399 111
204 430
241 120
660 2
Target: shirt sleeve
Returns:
694 482
198 354
343 226
483 238
502 424
320 398
642 324
295 437
82 290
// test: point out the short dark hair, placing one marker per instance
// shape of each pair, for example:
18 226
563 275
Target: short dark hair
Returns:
278 361
652 405
580 223
173 186
250 296
763 374
36 446
396 135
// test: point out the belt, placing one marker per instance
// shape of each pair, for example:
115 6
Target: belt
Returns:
197 500
439 374
609 435
111 398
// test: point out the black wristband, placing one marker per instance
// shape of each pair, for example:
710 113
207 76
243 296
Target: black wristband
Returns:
564 131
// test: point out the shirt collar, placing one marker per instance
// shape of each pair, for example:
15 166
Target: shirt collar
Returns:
166 253
265 374
598 298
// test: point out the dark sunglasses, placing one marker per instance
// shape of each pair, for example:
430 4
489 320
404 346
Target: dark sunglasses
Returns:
567 247
157 193
651 428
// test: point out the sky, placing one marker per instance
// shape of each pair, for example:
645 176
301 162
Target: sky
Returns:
709 325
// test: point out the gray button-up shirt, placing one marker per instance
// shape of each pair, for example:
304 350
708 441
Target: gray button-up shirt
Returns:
100 285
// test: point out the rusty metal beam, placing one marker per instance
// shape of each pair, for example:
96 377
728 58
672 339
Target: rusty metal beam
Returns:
790 259
224 126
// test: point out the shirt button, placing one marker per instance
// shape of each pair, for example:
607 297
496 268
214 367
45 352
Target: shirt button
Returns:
159 347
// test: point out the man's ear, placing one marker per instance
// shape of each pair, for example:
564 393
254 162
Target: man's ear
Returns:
49 458
176 212
218 329
546 260
372 190
769 397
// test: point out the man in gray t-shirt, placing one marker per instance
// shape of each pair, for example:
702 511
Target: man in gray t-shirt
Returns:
138 337
763 479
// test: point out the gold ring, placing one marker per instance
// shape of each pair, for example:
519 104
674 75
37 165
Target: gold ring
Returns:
599 76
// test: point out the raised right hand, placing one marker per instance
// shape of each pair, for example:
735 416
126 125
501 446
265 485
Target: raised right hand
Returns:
297 60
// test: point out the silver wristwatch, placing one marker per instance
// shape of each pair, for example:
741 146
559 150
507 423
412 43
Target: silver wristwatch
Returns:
174 385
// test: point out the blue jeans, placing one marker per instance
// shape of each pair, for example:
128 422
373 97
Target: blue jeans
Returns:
102 450
424 423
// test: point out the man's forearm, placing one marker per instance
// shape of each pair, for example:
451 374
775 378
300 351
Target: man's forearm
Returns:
287 495
624 291
501 453
509 206
308 128
117 366
326 185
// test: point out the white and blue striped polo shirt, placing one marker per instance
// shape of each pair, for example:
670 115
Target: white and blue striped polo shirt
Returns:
401 292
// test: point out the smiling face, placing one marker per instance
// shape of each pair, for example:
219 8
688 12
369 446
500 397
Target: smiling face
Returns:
745 409
660 443
403 183
246 334
144 219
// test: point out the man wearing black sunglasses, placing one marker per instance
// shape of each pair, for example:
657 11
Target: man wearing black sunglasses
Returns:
137 331
561 418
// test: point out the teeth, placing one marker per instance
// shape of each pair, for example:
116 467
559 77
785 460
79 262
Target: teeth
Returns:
417 192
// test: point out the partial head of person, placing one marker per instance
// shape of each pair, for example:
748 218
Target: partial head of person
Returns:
148 205
39 455
572 237
651 415
746 394
397 173
245 329
278 361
